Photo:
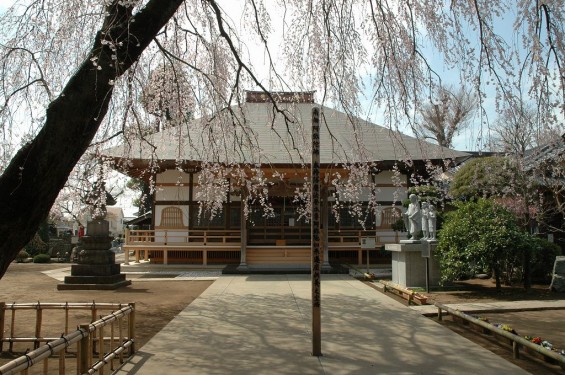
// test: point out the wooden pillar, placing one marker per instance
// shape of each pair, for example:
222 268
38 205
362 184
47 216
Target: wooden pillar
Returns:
325 233
243 232
126 249
315 235
131 329
360 257
38 324
2 324
190 186
516 350
84 351
189 224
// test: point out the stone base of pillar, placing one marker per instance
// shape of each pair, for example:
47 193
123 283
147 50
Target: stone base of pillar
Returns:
243 267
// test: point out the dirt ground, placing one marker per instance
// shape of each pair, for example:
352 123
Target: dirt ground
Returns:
547 324
157 302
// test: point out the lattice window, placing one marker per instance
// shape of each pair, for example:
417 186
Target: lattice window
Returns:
172 218
202 220
389 216
352 221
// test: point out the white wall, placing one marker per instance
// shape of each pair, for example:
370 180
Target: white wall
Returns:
388 193
172 193
387 190
177 192
173 176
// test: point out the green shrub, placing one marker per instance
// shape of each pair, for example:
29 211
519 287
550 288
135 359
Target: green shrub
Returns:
42 258
477 237
36 245
398 225
542 259
483 177
22 256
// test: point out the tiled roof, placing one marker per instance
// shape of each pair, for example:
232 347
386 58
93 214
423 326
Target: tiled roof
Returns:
257 133
550 152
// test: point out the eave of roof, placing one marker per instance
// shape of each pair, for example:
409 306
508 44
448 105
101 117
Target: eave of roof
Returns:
550 152
257 134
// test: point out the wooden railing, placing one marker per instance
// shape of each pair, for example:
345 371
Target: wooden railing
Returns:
348 237
90 339
200 246
300 236
162 242
182 236
179 237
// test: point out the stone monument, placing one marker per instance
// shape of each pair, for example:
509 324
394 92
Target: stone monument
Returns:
413 261
558 279
96 268
432 222
424 210
414 217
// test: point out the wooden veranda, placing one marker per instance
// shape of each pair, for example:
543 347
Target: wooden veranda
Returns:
213 247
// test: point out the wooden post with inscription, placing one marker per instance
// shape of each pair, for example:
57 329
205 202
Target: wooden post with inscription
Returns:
243 232
315 239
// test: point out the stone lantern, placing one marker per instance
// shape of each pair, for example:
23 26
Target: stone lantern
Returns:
96 268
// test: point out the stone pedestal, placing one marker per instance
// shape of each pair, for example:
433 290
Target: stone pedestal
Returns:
558 279
96 268
409 267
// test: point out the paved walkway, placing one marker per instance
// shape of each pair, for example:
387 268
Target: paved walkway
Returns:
260 324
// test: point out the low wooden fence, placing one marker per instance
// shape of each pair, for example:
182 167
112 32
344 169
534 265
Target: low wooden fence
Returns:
408 294
91 339
517 341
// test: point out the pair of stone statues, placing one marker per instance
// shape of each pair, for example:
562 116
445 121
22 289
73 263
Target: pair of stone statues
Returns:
421 219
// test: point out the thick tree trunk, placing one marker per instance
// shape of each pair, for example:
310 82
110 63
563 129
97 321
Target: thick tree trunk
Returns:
32 181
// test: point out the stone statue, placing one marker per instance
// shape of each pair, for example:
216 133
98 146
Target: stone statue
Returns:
558 278
414 217
432 218
425 226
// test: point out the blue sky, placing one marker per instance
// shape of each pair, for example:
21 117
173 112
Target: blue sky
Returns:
4 4
467 139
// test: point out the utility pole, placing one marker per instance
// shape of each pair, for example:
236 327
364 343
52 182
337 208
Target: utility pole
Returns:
315 236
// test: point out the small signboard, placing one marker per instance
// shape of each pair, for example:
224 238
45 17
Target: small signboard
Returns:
368 242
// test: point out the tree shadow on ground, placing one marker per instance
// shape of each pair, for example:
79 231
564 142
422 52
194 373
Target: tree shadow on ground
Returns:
485 289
